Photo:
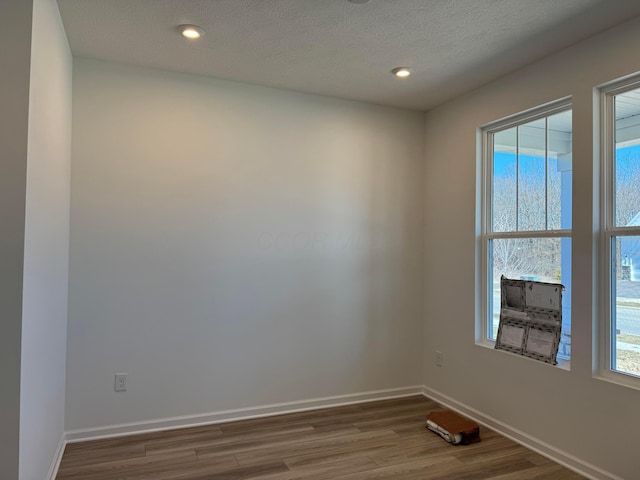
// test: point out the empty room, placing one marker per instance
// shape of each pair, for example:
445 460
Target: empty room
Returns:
265 239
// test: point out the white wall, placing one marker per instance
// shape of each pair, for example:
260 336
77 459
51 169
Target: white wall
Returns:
15 38
569 409
235 246
45 290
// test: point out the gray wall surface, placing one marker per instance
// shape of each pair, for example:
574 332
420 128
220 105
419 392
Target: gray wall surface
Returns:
46 251
236 246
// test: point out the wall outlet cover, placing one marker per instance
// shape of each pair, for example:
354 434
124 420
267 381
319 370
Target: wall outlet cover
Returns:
120 382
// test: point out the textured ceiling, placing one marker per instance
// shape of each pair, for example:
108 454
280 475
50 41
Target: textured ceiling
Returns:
337 48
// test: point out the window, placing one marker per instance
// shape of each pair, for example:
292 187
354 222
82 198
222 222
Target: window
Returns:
621 228
526 214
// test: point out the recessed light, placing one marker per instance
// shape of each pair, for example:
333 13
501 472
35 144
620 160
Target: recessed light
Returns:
192 32
402 72
359 2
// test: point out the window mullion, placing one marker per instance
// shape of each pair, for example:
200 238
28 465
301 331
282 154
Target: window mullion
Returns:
623 231
531 234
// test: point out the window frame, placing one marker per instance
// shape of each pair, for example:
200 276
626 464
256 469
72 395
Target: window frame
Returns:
609 230
486 234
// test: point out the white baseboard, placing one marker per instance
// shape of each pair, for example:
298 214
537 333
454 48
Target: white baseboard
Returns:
563 458
237 414
57 458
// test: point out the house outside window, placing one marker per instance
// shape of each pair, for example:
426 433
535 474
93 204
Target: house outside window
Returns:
526 208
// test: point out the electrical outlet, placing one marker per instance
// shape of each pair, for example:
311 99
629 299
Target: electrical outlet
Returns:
439 358
121 382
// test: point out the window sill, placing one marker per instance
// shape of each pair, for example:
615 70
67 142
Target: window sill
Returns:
628 381
563 364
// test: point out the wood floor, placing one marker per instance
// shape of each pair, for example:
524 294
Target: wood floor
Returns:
378 440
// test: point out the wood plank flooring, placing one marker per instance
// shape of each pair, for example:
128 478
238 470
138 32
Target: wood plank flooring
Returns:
377 440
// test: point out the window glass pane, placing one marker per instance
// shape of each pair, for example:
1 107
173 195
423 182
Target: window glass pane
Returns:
503 197
627 164
627 159
539 259
625 350
531 176
559 171
554 199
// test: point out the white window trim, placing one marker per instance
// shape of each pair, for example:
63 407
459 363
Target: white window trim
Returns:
485 134
608 230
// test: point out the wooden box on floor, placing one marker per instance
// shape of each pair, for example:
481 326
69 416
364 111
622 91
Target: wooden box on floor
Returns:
453 428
